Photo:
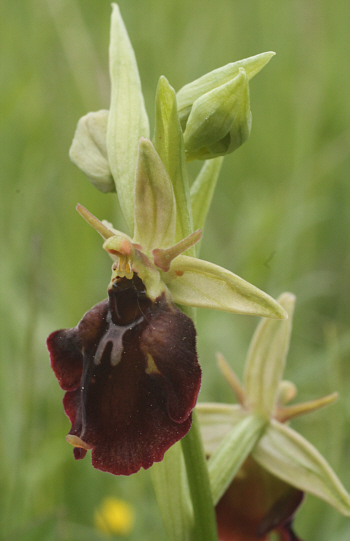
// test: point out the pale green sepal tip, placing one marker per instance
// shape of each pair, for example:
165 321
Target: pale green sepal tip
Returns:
220 120
287 455
89 151
192 91
127 120
168 141
232 452
202 191
172 493
198 283
266 359
155 211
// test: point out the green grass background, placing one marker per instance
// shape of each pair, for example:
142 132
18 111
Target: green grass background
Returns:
280 219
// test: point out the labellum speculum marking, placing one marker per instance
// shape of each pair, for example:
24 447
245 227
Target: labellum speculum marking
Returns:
132 378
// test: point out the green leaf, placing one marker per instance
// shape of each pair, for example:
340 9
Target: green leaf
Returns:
192 91
286 454
168 141
89 150
194 282
202 191
220 120
266 359
155 213
127 120
232 452
172 493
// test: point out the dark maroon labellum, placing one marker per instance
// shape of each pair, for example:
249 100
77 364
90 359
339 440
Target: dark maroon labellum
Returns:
256 504
132 378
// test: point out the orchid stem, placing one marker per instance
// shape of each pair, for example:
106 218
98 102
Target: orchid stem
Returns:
198 479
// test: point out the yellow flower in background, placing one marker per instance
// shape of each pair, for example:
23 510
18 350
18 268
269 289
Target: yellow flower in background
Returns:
114 516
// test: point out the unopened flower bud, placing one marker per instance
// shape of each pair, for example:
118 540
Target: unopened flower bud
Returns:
89 151
220 120
214 110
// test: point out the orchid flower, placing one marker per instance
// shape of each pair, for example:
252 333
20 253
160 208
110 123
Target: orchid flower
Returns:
259 466
130 367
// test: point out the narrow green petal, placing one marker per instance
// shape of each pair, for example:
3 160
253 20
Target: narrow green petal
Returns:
155 211
286 413
192 91
286 454
172 493
168 141
100 227
89 150
194 282
266 359
216 421
231 379
164 256
202 191
127 120
232 452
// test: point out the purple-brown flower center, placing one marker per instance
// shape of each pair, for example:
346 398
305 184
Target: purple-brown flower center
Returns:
130 368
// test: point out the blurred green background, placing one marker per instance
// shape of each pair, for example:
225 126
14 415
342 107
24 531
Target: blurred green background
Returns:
280 219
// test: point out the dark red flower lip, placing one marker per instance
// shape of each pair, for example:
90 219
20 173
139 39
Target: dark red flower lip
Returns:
255 504
280 516
132 378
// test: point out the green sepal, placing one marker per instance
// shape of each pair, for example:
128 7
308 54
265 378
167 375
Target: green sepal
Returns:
216 421
168 141
287 455
173 496
189 93
127 120
267 358
194 282
88 150
232 452
202 191
220 120
155 210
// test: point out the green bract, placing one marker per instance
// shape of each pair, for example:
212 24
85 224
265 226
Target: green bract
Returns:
256 426
169 143
105 143
127 120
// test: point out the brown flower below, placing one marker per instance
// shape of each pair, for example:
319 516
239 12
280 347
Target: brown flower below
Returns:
256 504
132 378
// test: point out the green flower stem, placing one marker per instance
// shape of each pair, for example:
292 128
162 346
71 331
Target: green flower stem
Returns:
198 479
172 493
